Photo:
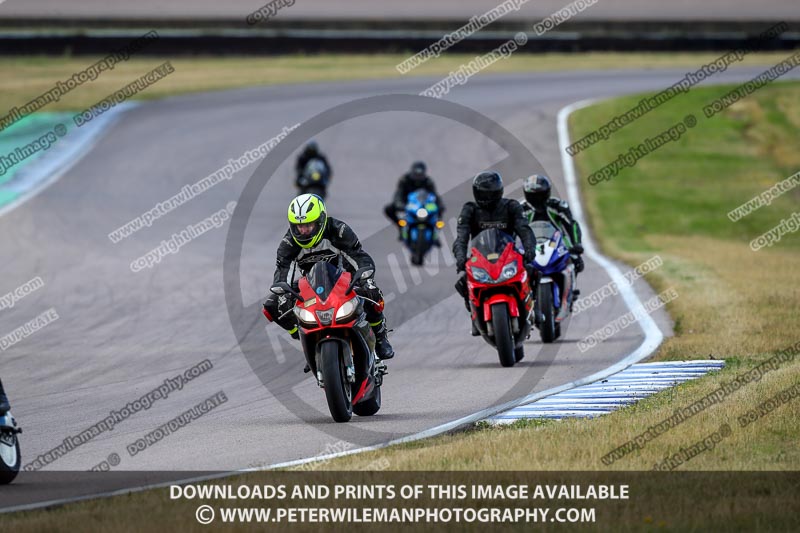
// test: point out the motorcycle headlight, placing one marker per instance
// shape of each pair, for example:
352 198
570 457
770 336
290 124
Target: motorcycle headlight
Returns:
305 316
481 276
347 309
509 271
422 213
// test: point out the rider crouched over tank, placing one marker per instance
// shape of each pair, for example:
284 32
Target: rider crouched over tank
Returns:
313 236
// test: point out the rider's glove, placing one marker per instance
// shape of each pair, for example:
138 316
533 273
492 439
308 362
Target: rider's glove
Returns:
578 262
576 250
461 283
529 256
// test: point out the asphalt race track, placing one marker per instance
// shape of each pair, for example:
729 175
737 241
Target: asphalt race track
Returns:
121 334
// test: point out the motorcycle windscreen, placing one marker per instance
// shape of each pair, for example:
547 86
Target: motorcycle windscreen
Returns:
543 231
323 277
421 197
315 169
491 243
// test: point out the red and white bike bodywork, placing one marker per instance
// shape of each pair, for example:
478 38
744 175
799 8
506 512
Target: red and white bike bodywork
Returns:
337 340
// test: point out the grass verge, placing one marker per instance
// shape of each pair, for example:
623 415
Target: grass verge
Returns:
24 78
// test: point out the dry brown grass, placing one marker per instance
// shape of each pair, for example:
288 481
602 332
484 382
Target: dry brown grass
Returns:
24 78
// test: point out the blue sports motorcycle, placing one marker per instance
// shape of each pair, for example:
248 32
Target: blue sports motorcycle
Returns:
420 224
554 279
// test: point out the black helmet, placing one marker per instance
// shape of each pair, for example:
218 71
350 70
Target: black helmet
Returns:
312 148
537 190
418 170
487 187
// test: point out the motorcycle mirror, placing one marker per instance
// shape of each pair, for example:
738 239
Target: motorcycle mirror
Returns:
361 273
284 288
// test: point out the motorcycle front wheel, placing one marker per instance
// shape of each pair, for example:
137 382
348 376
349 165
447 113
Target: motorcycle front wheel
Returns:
503 338
420 247
547 327
338 391
10 459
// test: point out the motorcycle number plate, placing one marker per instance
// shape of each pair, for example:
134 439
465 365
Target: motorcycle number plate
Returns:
492 257
309 303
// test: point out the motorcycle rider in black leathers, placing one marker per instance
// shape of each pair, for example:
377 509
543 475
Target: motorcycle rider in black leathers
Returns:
311 151
313 236
4 406
490 210
416 178
540 205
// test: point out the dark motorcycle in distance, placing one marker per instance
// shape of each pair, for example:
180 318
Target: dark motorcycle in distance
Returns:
337 340
500 294
10 459
554 279
314 178
420 224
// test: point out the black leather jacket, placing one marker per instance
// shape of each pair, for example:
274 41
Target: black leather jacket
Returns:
304 158
339 245
507 216
559 213
406 185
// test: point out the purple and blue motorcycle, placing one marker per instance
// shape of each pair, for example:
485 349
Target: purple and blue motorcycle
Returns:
554 281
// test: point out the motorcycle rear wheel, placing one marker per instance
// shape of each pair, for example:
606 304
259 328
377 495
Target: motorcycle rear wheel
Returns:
369 407
338 390
519 353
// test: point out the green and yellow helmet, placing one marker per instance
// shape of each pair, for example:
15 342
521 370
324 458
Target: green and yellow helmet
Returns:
307 219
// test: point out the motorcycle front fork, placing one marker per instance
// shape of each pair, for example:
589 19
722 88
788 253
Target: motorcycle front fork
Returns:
569 289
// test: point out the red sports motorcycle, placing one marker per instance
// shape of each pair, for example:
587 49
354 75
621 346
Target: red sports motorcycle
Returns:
337 340
500 294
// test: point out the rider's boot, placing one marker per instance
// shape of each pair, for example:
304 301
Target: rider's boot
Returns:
575 294
4 406
475 332
383 349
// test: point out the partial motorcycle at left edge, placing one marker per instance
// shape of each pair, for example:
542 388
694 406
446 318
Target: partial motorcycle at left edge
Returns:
10 458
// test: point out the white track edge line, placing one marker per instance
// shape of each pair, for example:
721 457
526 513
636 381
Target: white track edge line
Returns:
60 163
653 337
